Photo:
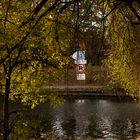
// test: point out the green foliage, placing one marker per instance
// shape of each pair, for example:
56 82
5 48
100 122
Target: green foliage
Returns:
96 75
26 129
28 48
120 61
31 38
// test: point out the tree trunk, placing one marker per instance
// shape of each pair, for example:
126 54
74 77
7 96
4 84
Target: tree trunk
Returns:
6 109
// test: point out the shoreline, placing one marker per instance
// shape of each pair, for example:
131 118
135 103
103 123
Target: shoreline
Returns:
87 91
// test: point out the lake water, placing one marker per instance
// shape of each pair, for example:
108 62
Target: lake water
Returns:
82 119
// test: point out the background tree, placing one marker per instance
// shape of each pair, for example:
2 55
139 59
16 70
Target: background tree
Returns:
123 40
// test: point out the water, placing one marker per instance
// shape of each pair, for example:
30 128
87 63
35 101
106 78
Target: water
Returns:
82 119
98 119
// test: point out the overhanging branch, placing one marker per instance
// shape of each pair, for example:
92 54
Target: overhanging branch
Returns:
134 12
135 23
22 41
114 8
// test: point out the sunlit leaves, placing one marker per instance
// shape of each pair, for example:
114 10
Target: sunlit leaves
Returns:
27 85
30 52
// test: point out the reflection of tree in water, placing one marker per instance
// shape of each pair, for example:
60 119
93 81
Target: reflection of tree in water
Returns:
119 129
125 129
1 128
25 128
69 127
93 130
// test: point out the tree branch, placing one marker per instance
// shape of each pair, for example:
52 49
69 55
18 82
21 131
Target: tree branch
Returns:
114 8
5 20
27 34
134 11
35 12
135 23
57 3
39 6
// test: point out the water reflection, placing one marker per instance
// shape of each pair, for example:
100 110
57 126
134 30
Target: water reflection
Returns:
82 119
69 128
57 127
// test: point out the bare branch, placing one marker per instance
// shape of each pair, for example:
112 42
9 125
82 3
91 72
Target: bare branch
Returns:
135 23
134 11
114 8
39 6
35 12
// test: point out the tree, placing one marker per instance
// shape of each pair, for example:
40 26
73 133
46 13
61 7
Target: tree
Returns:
32 33
28 39
118 22
122 35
